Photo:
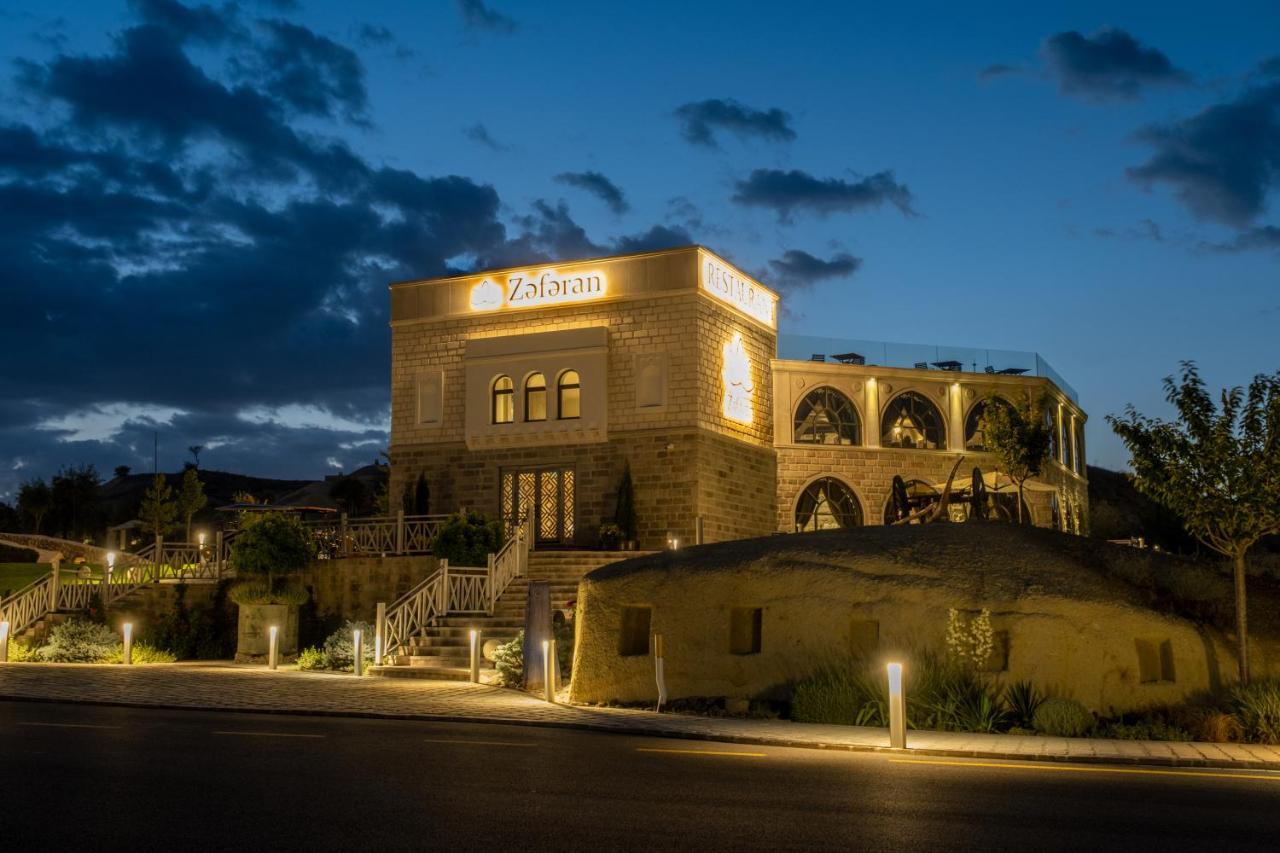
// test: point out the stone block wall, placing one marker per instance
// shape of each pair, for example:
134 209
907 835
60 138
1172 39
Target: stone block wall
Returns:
351 587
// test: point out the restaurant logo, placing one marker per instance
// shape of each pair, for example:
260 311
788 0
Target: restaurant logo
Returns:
738 384
742 293
524 291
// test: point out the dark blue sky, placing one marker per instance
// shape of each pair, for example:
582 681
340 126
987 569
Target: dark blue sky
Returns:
200 206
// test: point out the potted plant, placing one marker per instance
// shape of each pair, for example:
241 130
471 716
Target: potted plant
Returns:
625 515
270 548
610 536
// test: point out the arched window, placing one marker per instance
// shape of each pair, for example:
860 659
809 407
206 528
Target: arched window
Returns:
568 396
919 495
535 397
1080 463
974 428
504 400
1051 424
911 421
1067 458
827 504
825 416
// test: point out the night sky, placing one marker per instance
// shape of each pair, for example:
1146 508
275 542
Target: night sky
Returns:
201 205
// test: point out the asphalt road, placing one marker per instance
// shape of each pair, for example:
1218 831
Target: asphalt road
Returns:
82 778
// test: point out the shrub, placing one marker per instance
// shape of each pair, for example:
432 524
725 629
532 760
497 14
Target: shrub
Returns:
1023 699
508 661
270 545
201 632
22 652
1257 707
1214 726
141 653
312 658
339 648
467 539
1144 728
79 641
1062 718
842 694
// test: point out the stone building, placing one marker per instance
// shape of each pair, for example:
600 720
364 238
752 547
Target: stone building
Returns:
531 389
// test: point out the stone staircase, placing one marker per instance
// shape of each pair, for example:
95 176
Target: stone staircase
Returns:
443 651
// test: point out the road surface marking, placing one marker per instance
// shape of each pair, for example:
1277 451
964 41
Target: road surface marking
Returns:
1075 768
68 725
704 752
267 734
477 742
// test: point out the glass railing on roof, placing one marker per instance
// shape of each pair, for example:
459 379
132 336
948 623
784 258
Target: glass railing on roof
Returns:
920 356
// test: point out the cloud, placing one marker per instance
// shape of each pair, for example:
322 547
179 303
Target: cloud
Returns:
201 23
799 270
1110 64
788 191
479 133
599 186
700 120
1146 229
477 16
379 36
999 70
1222 162
1261 238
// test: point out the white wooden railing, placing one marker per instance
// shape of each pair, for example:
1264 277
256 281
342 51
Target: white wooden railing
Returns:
460 590
27 606
384 535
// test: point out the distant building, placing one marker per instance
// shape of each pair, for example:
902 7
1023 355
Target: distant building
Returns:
529 389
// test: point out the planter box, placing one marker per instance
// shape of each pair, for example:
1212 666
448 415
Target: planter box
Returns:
252 635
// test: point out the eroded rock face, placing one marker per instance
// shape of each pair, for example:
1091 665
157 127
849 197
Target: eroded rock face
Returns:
1060 611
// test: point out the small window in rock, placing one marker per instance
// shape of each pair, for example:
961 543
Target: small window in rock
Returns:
744 630
864 637
634 637
1155 661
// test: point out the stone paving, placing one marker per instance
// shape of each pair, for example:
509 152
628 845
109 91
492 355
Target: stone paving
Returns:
230 687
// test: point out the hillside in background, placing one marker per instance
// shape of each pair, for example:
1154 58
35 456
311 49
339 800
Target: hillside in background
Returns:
1117 510
121 496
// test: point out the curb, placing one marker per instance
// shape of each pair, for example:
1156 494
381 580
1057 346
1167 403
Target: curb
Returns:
645 730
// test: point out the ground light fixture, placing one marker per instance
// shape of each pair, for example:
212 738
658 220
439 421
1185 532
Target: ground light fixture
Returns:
475 656
548 683
273 636
126 656
4 642
357 643
897 708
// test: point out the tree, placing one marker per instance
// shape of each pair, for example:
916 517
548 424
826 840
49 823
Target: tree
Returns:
122 471
271 544
192 498
75 501
194 450
624 513
35 499
417 500
1217 466
351 494
1018 436
159 510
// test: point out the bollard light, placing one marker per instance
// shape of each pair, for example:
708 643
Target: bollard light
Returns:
127 657
4 642
111 560
475 656
200 539
548 686
358 644
273 635
897 708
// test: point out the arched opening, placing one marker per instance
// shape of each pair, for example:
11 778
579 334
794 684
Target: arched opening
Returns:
825 416
568 396
910 421
827 504
535 397
974 427
503 409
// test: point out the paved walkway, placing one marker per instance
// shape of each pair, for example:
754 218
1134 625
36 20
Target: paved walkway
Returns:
229 687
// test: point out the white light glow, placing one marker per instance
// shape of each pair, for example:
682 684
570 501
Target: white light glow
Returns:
731 287
738 384
525 290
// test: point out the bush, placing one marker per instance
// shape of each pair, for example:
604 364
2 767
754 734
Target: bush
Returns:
841 695
312 658
1060 717
270 545
1023 700
141 653
1257 707
261 592
1215 726
467 539
508 661
339 649
79 641
1144 728
22 652
202 632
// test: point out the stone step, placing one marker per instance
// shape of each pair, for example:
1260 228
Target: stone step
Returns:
427 672
439 661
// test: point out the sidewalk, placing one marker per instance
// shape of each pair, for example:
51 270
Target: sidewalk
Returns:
228 687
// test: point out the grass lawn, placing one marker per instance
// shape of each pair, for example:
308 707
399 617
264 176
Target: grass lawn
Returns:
14 576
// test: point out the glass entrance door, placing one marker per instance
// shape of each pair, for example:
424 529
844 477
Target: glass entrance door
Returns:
548 494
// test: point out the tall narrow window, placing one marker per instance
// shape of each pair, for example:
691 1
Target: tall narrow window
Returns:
504 400
568 396
535 398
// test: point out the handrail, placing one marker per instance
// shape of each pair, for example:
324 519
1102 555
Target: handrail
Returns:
413 610
27 606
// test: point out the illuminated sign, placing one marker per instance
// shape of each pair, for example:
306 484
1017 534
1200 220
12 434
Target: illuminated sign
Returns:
525 291
738 384
731 287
